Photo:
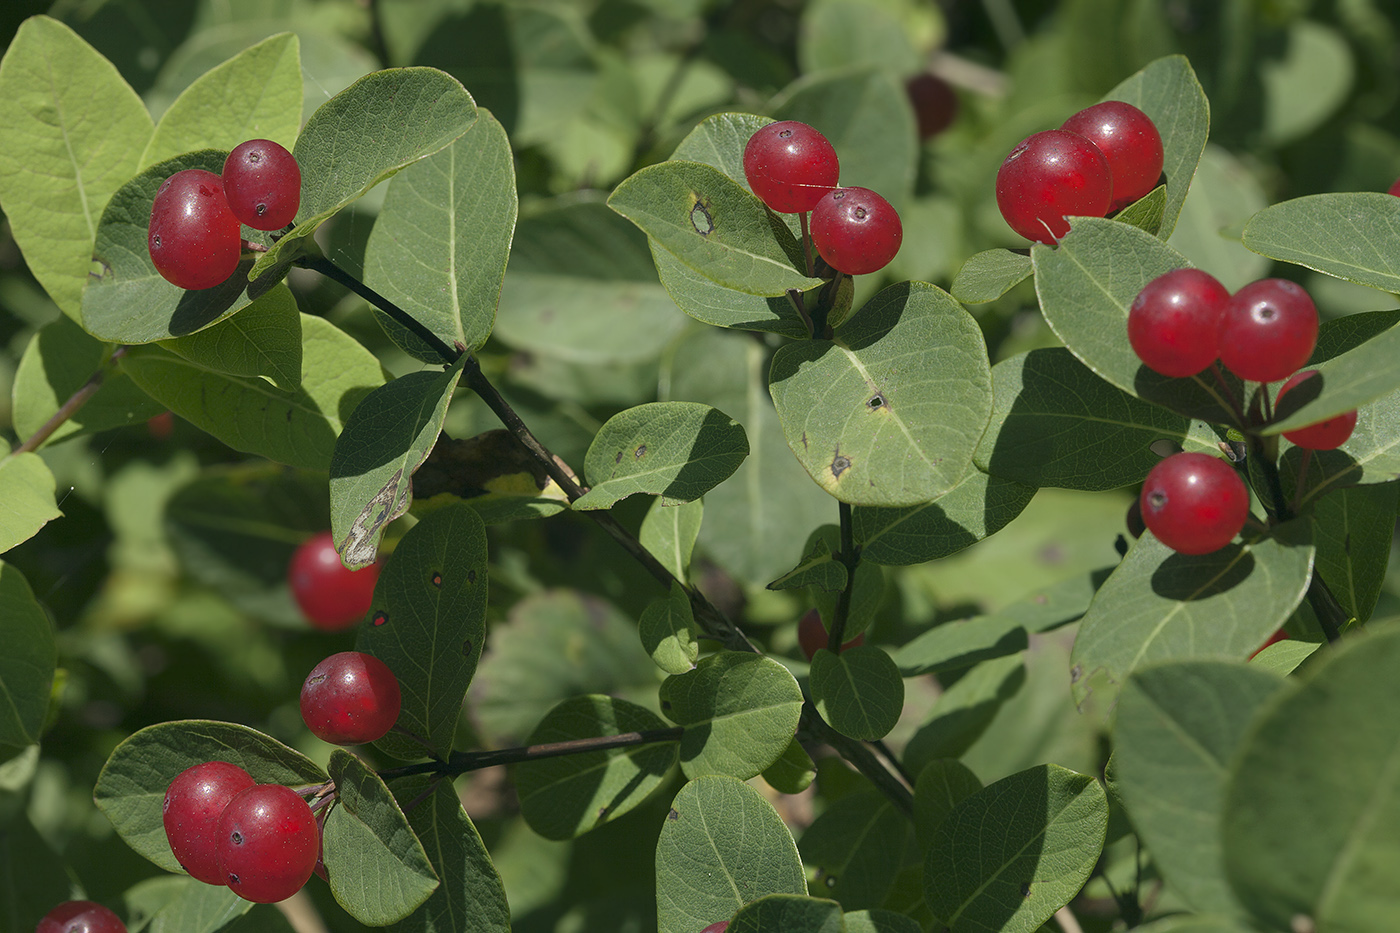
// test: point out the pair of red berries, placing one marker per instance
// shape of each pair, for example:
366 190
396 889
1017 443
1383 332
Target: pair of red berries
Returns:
196 237
1101 159
261 840
793 169
1181 322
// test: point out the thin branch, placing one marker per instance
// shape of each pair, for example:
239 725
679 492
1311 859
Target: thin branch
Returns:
849 556
880 746
862 758
462 762
401 317
71 407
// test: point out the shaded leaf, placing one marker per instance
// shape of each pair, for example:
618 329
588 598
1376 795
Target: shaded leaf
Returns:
988 275
1352 529
856 845
942 784
669 533
950 646
428 623
567 796
859 691
263 339
669 633
27 663
977 507
964 710
789 913
707 868
493 472
793 772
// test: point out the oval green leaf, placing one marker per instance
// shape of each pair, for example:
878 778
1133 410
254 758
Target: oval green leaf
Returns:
722 846
27 663
942 785
979 506
856 845
789 913
887 413
668 631
28 503
988 275
1015 852
263 339
859 692
1349 235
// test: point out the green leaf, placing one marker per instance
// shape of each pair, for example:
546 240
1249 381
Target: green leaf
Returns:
377 868
567 796
711 303
439 245
1346 234
819 569
1351 380
951 646
264 339
428 623
1159 606
793 772
865 114
977 507
56 364
1352 529
27 663
381 124
859 691
557 644
719 141
385 439
471 897
28 502
131 788
880 921
580 276
1012 854
963 711
235 528
1168 91
740 711
1056 423
1225 193
1146 212
707 868
789 913
669 633
837 34
988 275
676 450
713 225
296 428
1284 657
856 845
1311 808
254 95
74 131
1178 725
669 533
758 520
180 904
887 413
1086 286
127 300
942 784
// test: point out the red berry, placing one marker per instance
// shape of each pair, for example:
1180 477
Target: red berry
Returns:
1194 503
855 230
1174 322
350 698
935 103
1323 435
267 843
263 184
1129 140
789 166
332 596
812 634
80 917
1395 188
1048 177
1270 330
193 804
194 239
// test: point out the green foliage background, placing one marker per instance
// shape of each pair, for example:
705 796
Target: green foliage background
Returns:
163 579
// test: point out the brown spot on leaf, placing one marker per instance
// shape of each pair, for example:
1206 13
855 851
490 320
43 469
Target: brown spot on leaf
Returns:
673 815
839 464
1075 673
467 648
1025 889
640 452
700 217
471 576
876 401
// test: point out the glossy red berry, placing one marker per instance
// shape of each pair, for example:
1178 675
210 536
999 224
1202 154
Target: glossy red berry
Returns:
1174 323
1051 176
350 698
1194 503
1270 330
80 917
935 103
1129 141
263 184
812 634
267 843
1324 435
194 239
855 230
331 596
193 804
790 166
